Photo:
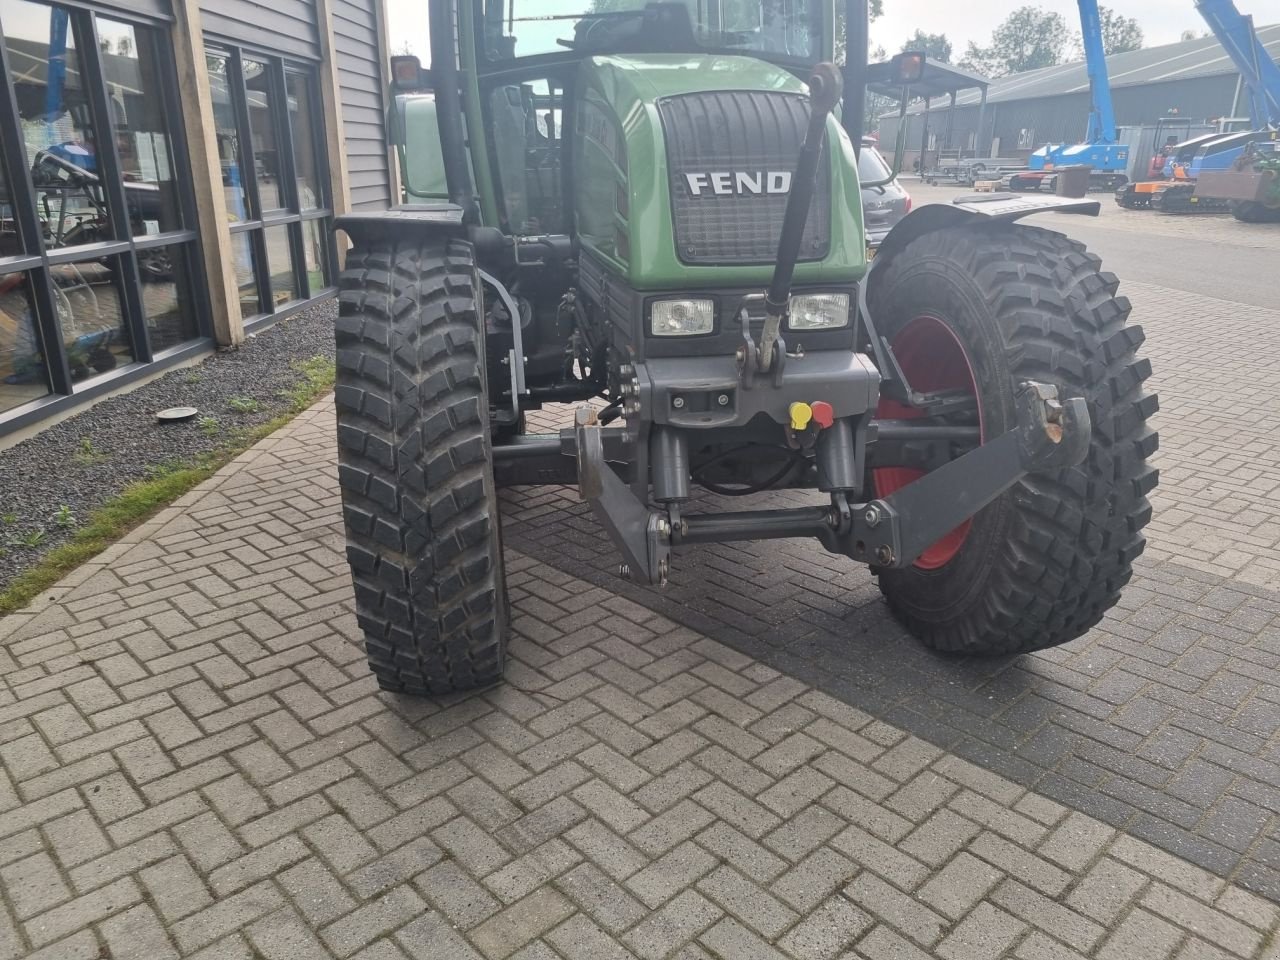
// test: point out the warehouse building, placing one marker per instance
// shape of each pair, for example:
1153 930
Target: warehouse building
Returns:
169 174
1193 81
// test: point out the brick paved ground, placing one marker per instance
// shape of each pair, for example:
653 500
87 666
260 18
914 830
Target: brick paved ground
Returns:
753 763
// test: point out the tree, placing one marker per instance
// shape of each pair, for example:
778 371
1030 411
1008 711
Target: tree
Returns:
935 45
1029 38
1119 33
1192 35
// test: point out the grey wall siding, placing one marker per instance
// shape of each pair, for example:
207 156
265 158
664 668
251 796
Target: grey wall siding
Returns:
281 26
1062 119
362 81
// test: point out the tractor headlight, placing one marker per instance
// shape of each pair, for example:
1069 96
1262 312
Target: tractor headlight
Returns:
682 318
819 311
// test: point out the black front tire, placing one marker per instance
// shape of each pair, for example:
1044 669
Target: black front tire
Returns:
1042 563
415 467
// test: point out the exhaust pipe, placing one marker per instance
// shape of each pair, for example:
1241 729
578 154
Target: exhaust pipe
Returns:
824 94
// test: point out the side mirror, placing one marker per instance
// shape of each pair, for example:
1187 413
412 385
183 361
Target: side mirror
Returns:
907 68
407 75
901 71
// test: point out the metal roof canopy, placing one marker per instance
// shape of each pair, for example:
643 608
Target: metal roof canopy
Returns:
939 79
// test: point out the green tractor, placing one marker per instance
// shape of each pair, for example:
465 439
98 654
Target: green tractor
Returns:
651 210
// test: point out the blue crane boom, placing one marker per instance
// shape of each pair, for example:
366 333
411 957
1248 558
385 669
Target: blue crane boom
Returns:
1102 115
1261 76
1101 148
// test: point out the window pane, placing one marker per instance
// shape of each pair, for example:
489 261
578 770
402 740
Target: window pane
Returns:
301 111
283 287
58 130
91 317
224 127
315 248
246 274
263 113
22 366
135 86
166 295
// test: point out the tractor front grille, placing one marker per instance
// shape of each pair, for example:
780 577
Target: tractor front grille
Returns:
753 138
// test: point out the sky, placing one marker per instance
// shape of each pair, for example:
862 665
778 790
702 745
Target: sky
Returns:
1162 21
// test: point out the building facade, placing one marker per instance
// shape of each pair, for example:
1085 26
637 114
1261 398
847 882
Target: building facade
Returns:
169 175
1194 81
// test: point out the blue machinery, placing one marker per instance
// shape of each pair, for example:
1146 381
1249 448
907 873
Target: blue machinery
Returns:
1101 148
1218 152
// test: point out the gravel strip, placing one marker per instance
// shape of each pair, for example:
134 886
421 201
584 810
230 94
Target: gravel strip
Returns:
87 459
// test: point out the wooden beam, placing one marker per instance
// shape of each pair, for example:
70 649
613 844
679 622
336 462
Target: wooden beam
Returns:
335 142
206 173
384 67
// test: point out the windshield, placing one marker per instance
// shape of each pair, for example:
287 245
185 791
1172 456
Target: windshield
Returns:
527 28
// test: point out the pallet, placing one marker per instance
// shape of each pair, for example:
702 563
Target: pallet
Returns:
986 186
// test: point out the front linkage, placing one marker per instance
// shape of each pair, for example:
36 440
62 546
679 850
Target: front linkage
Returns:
887 532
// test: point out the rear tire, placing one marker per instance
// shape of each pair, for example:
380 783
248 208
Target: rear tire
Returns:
1041 564
415 467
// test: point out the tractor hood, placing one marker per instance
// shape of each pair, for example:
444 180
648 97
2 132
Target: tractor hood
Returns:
683 169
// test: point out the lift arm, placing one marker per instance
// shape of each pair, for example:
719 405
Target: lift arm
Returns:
1261 76
1102 115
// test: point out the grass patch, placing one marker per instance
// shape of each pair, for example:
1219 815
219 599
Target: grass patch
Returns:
141 500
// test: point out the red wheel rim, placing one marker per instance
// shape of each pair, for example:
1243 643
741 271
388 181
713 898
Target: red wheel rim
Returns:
932 358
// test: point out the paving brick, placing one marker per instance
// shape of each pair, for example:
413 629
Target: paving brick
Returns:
985 933
455 894
614 855
670 828
955 889
316 892
580 939
1106 891
896 908
1140 934
739 850
880 856
1047 915
521 922
809 882
428 937
257 865
34 885
283 935
827 930
662 932
1015 861
374 919
1076 841
607 902
1210 924
82 911
76 838
669 874
174 888
137 934
122 862
226 915
883 943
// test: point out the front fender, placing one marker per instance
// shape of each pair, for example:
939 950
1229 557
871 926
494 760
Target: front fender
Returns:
418 220
968 210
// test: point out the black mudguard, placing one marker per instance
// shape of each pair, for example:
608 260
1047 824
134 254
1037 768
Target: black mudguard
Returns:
968 210
420 220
